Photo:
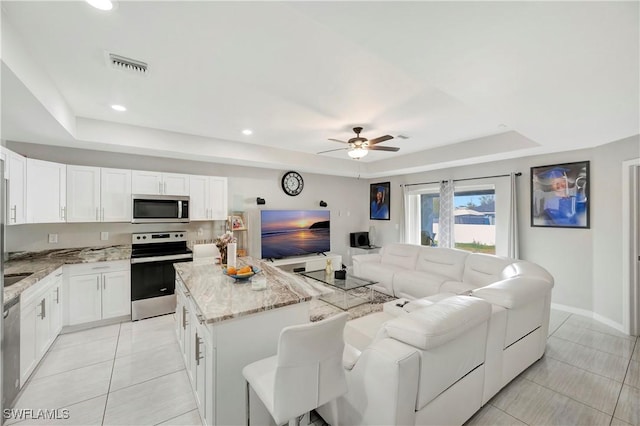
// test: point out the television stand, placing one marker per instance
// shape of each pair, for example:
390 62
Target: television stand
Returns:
309 263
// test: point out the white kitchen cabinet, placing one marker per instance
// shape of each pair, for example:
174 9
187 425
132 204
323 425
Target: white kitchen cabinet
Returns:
16 188
208 196
158 183
97 291
4 156
46 191
116 294
97 194
198 352
39 313
83 194
115 195
56 298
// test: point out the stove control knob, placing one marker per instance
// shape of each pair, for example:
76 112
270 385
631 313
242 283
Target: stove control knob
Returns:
182 235
144 238
138 237
176 235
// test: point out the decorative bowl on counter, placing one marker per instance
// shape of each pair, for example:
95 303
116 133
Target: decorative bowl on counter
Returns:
241 276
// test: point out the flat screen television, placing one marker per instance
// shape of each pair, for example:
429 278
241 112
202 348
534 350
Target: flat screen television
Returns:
286 233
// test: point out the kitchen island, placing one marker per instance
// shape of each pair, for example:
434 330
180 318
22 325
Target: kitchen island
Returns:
223 325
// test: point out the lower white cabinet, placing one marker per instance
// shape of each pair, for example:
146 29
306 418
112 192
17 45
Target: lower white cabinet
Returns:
40 321
98 291
197 350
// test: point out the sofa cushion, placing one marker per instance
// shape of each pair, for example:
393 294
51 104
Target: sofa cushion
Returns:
446 262
524 268
416 284
482 269
401 255
439 323
457 287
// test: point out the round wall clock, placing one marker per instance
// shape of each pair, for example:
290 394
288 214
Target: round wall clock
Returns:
292 183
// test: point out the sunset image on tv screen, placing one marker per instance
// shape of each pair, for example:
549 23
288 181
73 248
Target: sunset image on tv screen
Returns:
294 232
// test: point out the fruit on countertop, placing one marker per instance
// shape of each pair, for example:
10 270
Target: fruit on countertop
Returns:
244 270
231 270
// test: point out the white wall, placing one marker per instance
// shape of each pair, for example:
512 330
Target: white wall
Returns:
346 199
586 263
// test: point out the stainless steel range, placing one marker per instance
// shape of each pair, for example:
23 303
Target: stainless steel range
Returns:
152 275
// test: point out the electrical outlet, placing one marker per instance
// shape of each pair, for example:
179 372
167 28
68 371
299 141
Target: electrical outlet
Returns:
200 232
104 236
53 238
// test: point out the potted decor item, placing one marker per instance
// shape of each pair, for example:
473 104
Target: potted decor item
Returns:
222 242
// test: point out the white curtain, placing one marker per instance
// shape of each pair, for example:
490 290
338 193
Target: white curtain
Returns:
447 220
405 220
513 243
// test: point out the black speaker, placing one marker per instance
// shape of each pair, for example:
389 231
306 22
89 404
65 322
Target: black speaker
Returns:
359 239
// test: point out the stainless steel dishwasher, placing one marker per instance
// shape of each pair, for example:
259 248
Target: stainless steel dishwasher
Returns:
11 353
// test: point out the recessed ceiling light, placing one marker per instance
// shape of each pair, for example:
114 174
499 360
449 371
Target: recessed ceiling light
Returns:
119 108
101 4
247 132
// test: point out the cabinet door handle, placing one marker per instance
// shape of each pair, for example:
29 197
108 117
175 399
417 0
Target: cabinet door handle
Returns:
184 318
43 311
100 267
98 283
197 352
57 295
200 318
14 209
104 282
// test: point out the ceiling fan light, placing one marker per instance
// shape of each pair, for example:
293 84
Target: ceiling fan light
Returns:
357 153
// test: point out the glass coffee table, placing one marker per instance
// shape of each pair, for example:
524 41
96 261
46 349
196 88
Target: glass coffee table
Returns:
351 291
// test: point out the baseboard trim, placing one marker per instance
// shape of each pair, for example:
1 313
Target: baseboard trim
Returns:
589 314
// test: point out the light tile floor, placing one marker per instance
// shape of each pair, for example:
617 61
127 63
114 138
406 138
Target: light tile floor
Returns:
132 373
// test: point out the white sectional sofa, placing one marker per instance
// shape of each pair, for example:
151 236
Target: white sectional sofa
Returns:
468 324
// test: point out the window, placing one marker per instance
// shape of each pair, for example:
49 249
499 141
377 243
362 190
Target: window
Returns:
475 218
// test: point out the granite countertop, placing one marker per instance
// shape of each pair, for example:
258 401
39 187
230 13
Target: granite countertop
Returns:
220 297
42 263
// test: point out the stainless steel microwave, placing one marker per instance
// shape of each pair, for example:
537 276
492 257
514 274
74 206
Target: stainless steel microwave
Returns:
160 209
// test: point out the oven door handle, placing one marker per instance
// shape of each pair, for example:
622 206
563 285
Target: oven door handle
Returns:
161 258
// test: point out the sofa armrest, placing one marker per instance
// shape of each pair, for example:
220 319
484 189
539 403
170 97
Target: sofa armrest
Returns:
514 292
350 356
383 386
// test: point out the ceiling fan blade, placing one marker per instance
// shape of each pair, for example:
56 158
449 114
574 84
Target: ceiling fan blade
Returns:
331 150
380 139
384 148
337 140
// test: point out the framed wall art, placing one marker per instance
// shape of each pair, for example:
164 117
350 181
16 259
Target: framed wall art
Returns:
380 201
560 195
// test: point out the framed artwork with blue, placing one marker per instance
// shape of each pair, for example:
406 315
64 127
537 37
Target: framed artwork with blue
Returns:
380 201
560 195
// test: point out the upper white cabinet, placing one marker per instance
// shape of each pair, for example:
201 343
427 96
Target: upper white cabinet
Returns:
208 196
17 194
46 191
157 183
115 195
97 194
4 156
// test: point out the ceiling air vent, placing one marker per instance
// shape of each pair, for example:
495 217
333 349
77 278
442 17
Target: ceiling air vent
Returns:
127 64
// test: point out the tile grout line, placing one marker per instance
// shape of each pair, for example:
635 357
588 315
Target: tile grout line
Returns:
175 417
567 396
113 365
508 414
623 379
591 347
558 327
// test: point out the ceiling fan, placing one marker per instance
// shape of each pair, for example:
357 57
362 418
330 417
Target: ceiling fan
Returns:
359 146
